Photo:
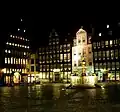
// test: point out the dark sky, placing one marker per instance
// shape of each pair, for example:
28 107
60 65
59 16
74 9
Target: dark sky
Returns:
40 18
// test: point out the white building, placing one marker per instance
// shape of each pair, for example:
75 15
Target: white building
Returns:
82 49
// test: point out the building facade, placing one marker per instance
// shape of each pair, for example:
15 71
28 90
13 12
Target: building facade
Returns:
33 74
55 59
106 52
106 55
15 56
82 54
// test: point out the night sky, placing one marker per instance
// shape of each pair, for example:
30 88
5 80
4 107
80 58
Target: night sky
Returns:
66 18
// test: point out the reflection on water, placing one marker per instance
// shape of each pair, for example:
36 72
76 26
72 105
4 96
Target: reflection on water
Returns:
32 98
43 98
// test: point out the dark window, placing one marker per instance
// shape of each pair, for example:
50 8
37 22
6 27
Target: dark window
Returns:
83 40
37 68
32 68
32 61
74 64
37 61
90 63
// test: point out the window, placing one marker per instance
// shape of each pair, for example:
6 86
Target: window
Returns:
32 61
32 68
37 61
83 40
74 64
79 41
99 54
79 62
8 60
107 53
95 54
94 44
90 63
11 60
106 43
111 42
5 60
116 53
112 53
37 68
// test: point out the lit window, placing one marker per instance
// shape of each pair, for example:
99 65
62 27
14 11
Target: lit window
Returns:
24 30
25 46
10 35
7 43
14 36
68 45
111 42
108 26
19 61
99 34
8 60
18 29
11 60
28 47
20 45
5 60
24 53
6 51
23 39
26 39
13 44
9 51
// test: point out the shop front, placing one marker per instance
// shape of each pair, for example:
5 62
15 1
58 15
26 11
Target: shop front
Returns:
15 78
56 75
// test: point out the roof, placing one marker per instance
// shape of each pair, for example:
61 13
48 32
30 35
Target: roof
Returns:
81 31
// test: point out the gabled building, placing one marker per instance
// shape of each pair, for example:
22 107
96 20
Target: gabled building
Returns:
82 54
55 59
15 55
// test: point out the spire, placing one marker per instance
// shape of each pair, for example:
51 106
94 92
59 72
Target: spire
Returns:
81 27
21 27
53 33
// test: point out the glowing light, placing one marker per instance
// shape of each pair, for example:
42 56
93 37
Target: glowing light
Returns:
18 29
108 26
100 34
24 30
4 70
56 70
76 57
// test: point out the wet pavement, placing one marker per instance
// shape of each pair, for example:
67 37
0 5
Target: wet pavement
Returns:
55 98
